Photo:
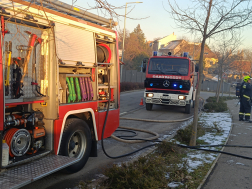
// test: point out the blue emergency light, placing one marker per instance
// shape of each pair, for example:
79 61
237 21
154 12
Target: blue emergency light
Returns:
185 54
151 84
180 86
174 85
154 53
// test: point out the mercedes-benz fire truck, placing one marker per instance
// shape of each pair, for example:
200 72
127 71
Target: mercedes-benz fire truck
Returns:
59 82
170 80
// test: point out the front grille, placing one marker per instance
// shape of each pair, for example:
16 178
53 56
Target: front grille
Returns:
166 101
156 100
157 83
174 102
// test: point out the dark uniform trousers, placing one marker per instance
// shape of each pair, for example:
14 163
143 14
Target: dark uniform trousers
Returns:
245 108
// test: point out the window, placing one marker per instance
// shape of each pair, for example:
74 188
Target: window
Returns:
168 66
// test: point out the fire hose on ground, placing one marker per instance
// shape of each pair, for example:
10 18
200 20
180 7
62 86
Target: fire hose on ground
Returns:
120 138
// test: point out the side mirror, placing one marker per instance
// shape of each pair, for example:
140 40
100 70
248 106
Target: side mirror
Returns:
196 68
144 63
144 67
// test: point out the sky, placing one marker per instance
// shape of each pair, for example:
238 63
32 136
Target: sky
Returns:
154 19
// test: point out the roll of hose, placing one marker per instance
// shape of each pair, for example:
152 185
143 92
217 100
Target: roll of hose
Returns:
73 89
78 89
70 96
103 53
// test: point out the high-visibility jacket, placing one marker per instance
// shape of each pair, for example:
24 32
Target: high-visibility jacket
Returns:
245 90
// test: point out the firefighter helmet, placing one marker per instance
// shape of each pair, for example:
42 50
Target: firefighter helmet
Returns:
246 78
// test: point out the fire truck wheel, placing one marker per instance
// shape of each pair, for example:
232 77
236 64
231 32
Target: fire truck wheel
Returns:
149 106
188 108
76 142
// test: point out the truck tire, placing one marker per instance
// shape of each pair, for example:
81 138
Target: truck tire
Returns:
188 108
149 106
76 142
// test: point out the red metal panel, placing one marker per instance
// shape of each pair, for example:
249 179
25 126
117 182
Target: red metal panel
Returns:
63 110
56 134
1 88
111 125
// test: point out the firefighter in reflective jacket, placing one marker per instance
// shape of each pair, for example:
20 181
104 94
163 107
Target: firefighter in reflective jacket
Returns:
245 97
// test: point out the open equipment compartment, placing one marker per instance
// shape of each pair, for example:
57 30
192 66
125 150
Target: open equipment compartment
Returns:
26 57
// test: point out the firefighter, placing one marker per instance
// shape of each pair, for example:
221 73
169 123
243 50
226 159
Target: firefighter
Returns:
245 98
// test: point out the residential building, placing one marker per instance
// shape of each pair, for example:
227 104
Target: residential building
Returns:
160 43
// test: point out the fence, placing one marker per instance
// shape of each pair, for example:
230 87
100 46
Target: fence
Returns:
132 76
135 76
212 86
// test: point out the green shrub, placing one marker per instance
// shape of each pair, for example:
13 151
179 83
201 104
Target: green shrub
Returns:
221 98
146 172
216 107
128 86
184 135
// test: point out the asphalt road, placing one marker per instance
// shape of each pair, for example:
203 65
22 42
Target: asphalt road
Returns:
129 108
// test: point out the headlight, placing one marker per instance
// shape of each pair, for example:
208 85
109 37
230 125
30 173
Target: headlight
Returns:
149 94
181 97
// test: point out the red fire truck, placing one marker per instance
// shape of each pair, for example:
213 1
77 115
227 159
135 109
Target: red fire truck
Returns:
59 71
170 80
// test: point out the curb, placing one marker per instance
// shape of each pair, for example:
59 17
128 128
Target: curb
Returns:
215 161
132 91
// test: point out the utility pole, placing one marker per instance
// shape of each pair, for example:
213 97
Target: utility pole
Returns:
124 34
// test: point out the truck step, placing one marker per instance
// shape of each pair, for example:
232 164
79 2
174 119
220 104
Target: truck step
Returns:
22 175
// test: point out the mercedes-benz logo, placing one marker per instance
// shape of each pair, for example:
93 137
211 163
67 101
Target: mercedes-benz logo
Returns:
166 83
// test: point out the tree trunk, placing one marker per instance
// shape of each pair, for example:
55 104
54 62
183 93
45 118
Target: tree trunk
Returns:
196 107
219 89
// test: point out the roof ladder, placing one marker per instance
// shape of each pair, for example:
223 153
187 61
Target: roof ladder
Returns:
74 12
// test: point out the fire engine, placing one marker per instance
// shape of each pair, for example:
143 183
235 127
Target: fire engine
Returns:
59 71
170 80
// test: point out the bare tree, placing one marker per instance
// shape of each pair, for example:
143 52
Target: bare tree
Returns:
224 49
248 57
210 17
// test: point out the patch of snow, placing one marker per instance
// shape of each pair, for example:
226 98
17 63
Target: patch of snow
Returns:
223 121
167 175
174 184
230 161
238 163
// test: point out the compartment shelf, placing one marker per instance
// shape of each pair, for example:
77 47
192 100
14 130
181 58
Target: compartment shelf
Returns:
104 86
20 101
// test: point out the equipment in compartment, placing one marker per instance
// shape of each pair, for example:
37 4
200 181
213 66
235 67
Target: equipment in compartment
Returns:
34 69
103 53
79 89
16 78
19 141
26 65
102 76
8 51
24 133
31 43
103 94
5 153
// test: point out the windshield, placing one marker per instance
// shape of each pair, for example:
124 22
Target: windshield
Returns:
168 66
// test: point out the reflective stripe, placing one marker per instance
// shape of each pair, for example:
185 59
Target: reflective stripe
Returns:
241 113
247 114
246 96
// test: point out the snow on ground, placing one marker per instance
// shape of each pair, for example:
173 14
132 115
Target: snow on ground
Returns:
221 122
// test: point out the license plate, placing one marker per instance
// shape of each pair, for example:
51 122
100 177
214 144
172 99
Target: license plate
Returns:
165 97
